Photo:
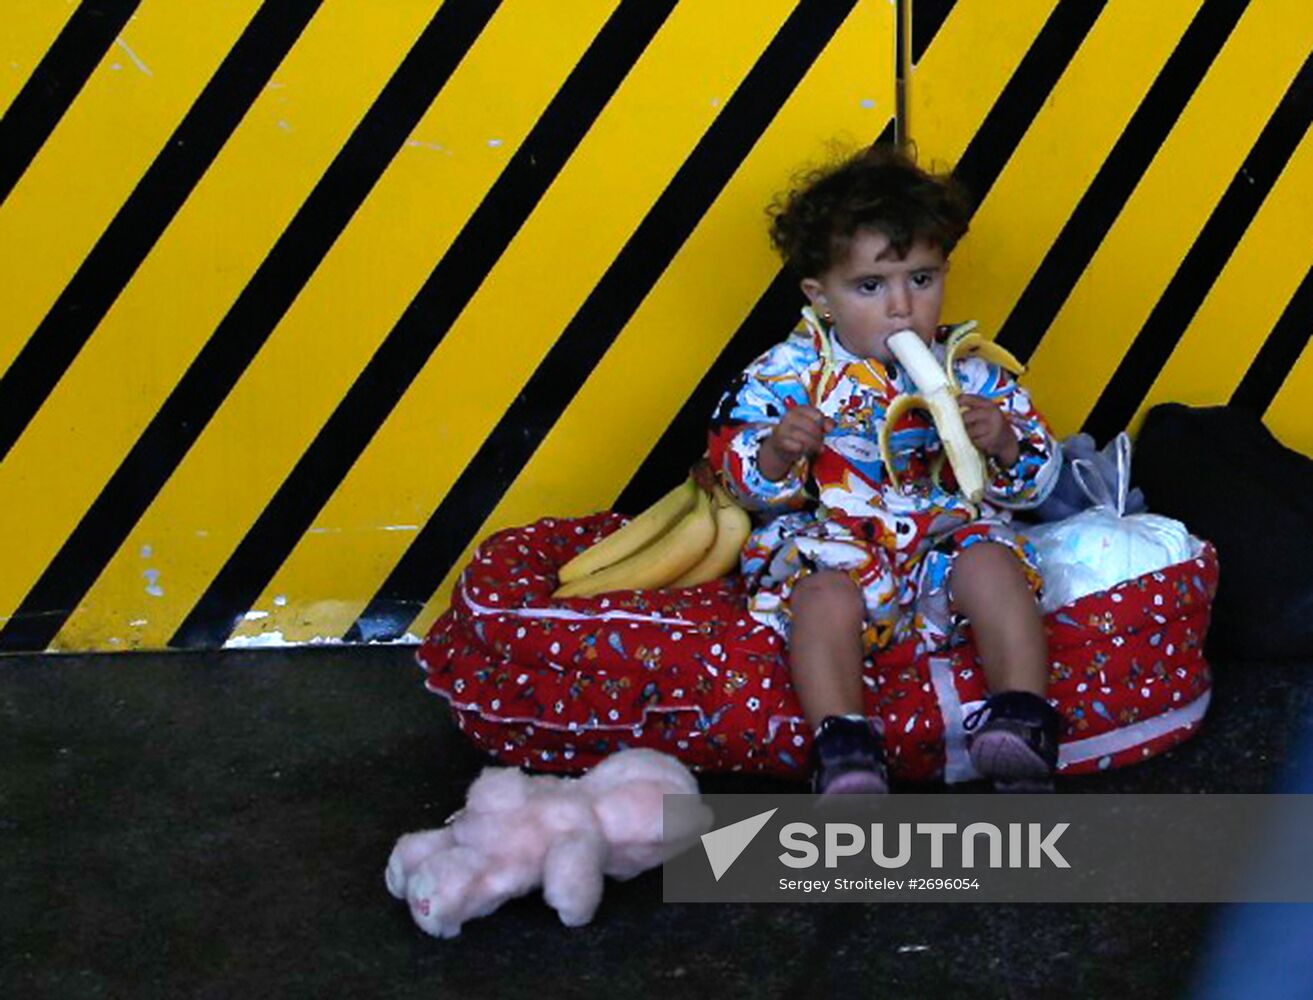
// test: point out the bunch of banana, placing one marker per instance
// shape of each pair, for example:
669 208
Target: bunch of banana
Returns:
689 536
938 390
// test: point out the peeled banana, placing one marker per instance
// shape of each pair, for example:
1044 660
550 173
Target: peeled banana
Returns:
733 525
661 561
938 391
637 534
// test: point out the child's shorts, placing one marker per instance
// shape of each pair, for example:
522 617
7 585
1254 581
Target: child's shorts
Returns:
907 595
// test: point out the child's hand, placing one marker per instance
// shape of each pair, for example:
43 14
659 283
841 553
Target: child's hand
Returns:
989 429
801 431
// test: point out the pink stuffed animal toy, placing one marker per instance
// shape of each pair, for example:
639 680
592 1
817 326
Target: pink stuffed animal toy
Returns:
519 831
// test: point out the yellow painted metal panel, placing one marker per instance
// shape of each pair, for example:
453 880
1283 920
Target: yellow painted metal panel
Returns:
1050 170
29 28
1163 216
1246 302
453 156
192 277
103 144
1288 416
974 54
639 141
139 93
682 326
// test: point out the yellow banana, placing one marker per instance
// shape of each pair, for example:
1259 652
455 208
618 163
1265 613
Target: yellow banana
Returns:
657 564
938 395
637 534
733 525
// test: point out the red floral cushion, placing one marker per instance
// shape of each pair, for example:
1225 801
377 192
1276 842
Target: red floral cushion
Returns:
558 685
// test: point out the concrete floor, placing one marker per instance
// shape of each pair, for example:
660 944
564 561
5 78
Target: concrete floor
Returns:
216 825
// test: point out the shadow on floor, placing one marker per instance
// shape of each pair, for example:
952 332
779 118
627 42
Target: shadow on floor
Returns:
216 825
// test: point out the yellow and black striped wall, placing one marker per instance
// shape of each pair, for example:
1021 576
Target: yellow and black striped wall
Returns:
304 298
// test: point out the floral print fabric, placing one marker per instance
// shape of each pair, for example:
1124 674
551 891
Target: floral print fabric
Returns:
559 685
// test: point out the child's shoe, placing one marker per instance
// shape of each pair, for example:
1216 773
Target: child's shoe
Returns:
1016 742
848 757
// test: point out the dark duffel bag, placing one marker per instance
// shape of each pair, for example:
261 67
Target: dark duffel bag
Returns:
1223 473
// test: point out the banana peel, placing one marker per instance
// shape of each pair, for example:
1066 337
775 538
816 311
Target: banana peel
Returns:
965 342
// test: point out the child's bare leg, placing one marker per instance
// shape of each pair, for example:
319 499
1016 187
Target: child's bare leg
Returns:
990 588
825 653
1017 744
825 645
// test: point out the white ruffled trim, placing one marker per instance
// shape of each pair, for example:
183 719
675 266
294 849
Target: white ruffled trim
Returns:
566 614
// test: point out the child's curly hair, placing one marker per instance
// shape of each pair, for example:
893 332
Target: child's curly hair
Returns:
880 188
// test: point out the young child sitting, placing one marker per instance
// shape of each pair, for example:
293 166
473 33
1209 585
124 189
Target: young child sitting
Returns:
842 561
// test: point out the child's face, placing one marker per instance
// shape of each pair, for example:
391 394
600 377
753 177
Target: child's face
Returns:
871 293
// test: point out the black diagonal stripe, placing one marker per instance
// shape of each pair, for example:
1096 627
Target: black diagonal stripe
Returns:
1212 248
56 82
1035 77
446 292
599 320
1099 207
159 194
927 18
1279 353
773 315
258 309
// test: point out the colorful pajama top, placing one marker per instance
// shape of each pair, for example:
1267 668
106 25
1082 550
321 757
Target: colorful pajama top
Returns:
842 511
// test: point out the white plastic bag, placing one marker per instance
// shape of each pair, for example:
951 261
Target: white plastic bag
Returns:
1102 547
